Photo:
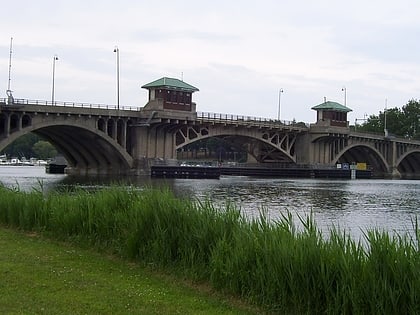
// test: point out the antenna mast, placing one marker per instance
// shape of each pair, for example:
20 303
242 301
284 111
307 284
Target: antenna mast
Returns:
10 63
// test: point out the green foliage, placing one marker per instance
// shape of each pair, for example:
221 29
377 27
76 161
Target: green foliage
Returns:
276 265
404 122
217 149
44 150
411 113
30 145
22 146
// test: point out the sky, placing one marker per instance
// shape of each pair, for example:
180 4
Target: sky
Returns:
239 54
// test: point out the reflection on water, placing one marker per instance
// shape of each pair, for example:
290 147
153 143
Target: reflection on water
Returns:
353 205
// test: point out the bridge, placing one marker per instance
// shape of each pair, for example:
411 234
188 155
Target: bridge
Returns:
106 139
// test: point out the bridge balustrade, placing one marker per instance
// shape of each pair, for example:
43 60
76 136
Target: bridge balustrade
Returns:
219 117
216 117
22 101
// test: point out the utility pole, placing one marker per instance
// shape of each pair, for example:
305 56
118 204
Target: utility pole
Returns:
10 99
278 114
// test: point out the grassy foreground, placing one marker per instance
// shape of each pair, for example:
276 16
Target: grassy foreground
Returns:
38 276
274 265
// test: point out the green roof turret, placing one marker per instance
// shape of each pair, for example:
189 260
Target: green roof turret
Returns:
170 84
332 106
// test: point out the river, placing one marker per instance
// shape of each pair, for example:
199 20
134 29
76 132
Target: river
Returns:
353 205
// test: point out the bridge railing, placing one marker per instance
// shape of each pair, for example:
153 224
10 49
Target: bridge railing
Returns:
248 119
21 101
220 117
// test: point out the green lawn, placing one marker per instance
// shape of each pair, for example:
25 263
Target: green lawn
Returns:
40 276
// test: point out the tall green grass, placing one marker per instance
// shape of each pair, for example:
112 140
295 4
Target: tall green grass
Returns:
272 264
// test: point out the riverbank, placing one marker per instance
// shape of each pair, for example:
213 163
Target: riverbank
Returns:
40 276
275 265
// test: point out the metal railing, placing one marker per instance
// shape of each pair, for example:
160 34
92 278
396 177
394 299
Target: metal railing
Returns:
207 116
219 117
21 101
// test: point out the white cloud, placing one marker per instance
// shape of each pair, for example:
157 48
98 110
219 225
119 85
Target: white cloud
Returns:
237 53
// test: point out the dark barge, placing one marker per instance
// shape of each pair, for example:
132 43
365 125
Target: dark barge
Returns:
165 171
212 172
299 172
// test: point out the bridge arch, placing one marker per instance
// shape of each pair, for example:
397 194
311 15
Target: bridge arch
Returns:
363 153
264 148
87 150
408 164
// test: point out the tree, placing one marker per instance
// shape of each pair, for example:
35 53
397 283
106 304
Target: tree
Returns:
412 123
44 150
22 147
402 122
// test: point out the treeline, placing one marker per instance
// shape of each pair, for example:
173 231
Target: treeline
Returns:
214 149
402 122
30 145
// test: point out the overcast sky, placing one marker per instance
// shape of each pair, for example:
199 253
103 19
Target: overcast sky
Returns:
238 53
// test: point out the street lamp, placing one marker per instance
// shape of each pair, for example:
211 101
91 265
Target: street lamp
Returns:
8 91
278 114
345 95
55 58
117 51
385 130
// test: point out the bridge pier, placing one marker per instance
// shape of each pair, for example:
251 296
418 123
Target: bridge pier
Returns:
101 140
395 174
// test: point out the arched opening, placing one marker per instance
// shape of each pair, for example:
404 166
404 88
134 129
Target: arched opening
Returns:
409 166
129 137
30 147
364 154
110 128
232 149
120 131
14 122
212 149
26 121
3 124
101 124
86 151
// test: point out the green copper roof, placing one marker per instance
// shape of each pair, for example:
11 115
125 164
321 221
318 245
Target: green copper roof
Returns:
170 83
332 106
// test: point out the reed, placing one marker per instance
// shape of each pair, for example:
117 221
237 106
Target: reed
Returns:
273 264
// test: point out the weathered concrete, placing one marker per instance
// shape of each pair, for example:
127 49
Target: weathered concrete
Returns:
110 141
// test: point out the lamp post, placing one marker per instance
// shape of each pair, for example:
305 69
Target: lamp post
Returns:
278 114
55 58
10 99
385 129
117 51
345 95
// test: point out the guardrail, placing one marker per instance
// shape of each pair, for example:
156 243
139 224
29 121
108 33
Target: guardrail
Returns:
219 117
248 119
21 101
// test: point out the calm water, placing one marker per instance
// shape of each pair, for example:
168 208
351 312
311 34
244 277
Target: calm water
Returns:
354 205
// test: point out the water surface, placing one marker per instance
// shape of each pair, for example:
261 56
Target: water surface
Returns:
354 205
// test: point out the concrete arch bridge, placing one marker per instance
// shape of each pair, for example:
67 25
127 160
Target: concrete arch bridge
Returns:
101 139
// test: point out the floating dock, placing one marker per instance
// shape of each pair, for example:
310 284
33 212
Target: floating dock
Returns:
295 172
213 172
163 171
